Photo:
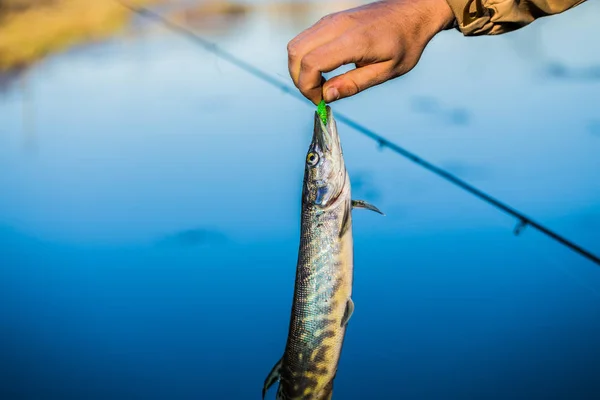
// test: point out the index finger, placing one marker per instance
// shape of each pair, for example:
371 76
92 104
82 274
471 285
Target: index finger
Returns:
325 30
342 51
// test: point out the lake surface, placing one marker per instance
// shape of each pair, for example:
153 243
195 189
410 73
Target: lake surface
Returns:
150 204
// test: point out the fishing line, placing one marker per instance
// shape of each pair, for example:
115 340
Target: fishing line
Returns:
522 219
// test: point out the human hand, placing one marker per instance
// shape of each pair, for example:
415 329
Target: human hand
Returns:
384 40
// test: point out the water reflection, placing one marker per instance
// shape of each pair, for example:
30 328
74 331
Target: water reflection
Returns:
213 17
164 199
471 172
426 105
562 71
432 106
459 116
193 238
594 127
218 18
364 186
8 79
28 99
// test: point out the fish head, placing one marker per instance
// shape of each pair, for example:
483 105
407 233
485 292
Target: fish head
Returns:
325 171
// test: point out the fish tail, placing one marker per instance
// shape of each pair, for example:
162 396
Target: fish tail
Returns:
273 377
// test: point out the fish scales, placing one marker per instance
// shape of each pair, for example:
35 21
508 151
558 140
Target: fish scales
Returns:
323 286
322 303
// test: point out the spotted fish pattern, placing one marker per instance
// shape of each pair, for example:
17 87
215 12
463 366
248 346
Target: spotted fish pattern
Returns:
322 303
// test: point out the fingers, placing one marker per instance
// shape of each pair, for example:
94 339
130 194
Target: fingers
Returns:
309 49
334 41
326 58
325 30
357 80
369 37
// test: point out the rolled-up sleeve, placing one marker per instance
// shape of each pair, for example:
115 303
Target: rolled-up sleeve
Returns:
492 17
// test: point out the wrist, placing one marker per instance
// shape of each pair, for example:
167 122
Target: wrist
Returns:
441 15
431 16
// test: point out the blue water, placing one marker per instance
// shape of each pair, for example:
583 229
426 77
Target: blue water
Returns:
149 219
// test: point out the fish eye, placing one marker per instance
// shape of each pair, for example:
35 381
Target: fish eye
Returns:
312 159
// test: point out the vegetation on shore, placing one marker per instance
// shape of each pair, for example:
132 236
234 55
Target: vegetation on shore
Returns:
32 29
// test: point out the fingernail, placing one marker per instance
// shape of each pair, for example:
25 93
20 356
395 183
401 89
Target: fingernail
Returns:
331 94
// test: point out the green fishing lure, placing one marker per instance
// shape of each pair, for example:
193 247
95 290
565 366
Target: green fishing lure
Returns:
322 111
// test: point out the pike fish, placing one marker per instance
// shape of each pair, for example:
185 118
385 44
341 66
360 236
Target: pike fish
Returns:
322 303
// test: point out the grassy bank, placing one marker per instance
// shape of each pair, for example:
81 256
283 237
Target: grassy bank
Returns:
32 29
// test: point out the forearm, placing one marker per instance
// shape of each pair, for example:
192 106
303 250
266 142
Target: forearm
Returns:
492 17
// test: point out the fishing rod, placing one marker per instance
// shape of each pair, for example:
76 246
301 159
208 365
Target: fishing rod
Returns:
523 220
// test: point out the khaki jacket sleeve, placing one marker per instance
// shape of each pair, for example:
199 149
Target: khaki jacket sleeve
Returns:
492 17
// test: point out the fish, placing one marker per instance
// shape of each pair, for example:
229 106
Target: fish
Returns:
322 304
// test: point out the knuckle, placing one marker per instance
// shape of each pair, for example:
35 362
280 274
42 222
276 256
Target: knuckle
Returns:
334 18
354 44
306 86
396 50
327 18
306 92
353 87
341 17
292 49
369 42
395 72
309 63
369 36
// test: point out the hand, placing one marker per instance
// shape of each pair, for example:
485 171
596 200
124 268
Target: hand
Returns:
384 40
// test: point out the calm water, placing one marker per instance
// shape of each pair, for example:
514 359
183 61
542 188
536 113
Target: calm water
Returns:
149 219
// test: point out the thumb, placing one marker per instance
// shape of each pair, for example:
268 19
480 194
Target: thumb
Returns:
356 81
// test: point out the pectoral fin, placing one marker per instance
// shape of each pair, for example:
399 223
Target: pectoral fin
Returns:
348 312
273 377
345 220
365 205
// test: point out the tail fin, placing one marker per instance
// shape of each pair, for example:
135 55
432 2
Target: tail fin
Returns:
272 377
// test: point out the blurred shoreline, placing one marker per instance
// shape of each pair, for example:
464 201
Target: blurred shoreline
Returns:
30 30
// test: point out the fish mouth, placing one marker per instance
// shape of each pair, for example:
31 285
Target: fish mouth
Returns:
325 135
326 140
